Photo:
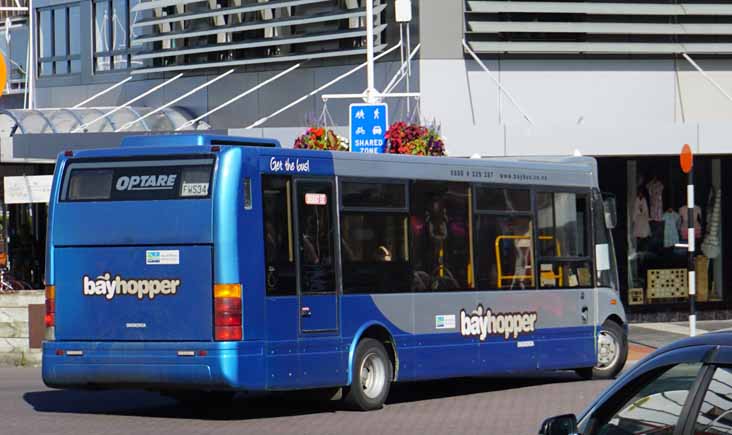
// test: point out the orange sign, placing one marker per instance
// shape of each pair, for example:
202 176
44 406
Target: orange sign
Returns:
686 158
3 73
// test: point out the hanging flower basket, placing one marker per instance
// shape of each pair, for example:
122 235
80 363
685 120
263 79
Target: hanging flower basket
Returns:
414 139
321 138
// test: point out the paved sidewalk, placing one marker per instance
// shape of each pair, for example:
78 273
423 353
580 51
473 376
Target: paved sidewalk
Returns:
656 335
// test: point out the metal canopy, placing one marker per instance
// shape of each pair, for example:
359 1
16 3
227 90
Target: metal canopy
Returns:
65 120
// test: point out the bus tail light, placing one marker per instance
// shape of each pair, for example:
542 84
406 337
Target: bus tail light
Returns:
50 318
227 312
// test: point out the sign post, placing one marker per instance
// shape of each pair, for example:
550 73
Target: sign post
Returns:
686 158
368 124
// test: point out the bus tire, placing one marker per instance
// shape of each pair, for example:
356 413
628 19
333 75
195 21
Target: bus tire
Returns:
612 352
372 376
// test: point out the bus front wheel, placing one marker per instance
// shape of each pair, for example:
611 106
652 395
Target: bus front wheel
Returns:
372 375
612 351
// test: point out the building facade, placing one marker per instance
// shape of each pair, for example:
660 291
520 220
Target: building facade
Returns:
501 78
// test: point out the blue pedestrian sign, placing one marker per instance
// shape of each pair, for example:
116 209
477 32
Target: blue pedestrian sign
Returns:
368 124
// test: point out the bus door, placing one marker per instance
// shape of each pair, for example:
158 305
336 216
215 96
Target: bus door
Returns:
318 298
321 360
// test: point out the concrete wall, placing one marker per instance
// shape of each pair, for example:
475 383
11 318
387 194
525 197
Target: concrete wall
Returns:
14 329
611 106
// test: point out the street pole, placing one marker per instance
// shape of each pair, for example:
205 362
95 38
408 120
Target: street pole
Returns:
371 96
30 69
691 225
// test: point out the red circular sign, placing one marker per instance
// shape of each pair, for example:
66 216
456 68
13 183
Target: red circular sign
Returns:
686 158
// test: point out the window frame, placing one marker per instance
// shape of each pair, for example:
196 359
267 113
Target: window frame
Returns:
401 211
693 407
291 234
54 58
531 214
588 233
111 54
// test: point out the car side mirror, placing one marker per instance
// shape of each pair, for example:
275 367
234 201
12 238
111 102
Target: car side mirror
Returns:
560 425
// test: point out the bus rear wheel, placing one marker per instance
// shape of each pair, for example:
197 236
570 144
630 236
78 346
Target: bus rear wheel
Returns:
372 375
612 351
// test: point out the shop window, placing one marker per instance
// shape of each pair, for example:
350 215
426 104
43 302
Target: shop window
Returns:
440 236
59 49
657 231
562 233
504 252
278 242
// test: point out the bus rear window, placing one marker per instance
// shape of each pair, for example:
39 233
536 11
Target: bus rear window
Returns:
137 180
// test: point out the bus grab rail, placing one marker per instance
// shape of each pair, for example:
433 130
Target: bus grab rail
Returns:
544 274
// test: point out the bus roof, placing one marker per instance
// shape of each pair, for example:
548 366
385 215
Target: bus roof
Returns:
549 171
171 140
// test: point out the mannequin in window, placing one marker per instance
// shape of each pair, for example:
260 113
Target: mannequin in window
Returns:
655 194
641 225
671 225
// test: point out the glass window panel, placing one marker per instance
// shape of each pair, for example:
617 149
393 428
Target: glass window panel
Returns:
278 241
375 253
545 224
90 184
490 198
565 274
74 38
60 43
656 408
440 235
357 194
120 35
103 35
317 262
46 40
18 49
715 414
562 220
504 252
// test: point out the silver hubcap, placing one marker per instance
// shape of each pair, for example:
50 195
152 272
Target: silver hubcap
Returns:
373 375
607 350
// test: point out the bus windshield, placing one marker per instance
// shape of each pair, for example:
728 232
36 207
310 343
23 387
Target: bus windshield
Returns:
181 178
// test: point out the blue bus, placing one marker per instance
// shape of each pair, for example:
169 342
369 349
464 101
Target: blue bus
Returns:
219 264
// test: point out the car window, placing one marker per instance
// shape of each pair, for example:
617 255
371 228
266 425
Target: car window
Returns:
715 414
656 407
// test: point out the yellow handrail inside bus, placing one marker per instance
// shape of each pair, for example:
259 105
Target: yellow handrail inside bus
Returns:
543 274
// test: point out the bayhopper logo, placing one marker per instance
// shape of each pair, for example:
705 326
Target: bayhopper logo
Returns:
482 322
108 287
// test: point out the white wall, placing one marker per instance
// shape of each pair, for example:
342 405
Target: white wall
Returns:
601 107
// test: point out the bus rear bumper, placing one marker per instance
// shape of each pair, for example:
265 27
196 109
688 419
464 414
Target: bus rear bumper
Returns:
188 365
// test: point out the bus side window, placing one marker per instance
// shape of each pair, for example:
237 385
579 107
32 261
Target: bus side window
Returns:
603 243
563 244
278 243
504 248
374 238
440 236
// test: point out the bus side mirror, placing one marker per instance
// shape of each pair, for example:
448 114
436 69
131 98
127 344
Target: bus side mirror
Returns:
560 425
611 212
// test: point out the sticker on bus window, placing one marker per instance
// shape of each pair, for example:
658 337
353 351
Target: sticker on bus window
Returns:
194 189
162 257
316 199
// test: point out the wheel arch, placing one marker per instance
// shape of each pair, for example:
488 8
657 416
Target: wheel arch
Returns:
377 331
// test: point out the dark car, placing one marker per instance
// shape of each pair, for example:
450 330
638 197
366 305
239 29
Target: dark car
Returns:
684 388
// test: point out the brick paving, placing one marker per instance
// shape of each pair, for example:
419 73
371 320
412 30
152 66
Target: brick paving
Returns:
483 406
